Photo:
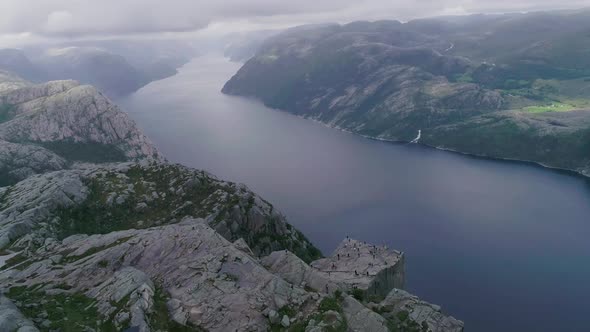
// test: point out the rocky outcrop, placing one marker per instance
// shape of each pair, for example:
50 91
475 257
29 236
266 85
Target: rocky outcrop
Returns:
19 161
188 274
129 284
11 319
197 272
356 265
50 126
297 272
100 199
31 203
373 275
361 318
400 306
66 111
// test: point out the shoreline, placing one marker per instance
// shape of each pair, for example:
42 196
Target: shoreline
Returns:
536 164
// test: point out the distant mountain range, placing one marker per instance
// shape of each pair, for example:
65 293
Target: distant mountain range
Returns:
116 68
514 86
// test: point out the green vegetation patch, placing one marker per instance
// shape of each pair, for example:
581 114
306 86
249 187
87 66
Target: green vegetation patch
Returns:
267 241
358 294
7 112
401 322
329 303
86 152
463 78
66 311
553 107
159 318
18 262
144 197
96 215
552 143
95 250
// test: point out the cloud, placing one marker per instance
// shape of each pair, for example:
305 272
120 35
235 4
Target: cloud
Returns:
86 18
59 21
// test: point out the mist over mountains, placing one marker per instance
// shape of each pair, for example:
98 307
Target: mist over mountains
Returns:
116 68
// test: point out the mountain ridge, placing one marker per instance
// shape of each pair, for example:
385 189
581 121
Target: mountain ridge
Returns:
390 80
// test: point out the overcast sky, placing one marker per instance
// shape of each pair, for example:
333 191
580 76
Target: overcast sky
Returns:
24 21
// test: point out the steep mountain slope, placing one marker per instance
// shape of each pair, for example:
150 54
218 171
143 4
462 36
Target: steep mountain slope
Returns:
450 81
362 78
52 125
240 47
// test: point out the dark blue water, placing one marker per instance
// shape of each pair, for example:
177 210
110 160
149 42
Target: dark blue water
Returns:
502 246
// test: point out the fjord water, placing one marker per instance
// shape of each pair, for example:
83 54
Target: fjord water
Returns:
503 246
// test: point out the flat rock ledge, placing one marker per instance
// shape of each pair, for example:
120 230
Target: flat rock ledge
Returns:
374 276
375 270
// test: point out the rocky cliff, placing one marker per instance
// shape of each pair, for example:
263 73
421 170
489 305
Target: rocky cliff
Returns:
99 233
186 276
52 125
95 199
524 98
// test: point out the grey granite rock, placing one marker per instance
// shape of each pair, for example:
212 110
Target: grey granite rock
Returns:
12 320
203 272
346 271
357 265
293 269
30 204
49 126
419 311
66 111
33 210
19 161
285 321
362 319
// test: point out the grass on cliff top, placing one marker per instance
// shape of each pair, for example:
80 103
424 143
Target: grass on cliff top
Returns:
401 322
96 216
333 303
86 152
73 312
204 196
67 312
